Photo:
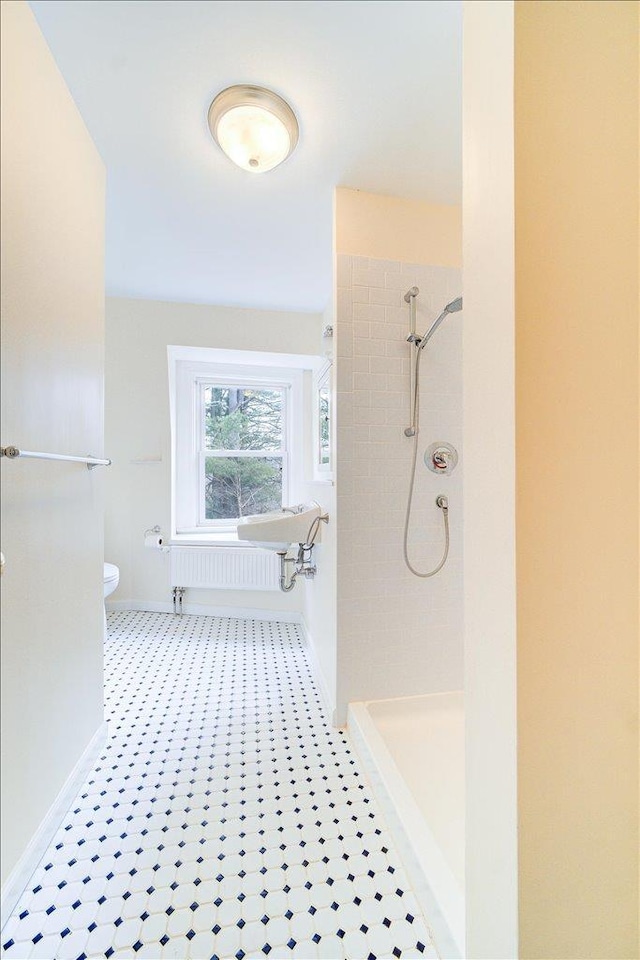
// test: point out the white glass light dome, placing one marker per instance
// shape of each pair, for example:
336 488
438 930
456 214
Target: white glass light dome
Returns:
255 127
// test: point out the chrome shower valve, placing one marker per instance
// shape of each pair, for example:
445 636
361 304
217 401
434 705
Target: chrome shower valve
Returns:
441 458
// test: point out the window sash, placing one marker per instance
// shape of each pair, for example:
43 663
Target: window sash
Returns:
203 385
207 452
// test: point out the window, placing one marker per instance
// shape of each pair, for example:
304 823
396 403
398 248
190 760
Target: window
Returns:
322 417
243 451
232 431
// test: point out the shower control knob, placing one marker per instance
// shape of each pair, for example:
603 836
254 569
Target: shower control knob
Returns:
441 458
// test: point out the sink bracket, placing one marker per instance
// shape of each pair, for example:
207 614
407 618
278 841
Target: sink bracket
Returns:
303 565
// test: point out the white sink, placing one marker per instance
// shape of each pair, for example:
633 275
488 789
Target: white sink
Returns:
279 529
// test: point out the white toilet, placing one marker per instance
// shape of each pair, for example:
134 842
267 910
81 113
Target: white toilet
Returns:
110 583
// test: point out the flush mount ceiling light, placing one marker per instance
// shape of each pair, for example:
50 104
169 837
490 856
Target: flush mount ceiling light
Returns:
255 127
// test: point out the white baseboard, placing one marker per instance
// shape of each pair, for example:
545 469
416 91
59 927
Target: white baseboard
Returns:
318 675
207 610
17 880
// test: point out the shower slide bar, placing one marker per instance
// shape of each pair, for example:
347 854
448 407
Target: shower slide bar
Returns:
12 453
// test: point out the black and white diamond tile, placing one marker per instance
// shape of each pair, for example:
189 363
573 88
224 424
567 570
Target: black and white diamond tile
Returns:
225 819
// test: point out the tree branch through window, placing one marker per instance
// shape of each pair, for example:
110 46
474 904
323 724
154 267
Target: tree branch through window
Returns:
244 447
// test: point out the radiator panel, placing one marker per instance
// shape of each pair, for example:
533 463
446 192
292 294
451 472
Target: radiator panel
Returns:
224 568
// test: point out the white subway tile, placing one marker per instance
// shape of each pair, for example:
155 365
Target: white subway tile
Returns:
343 304
368 311
346 484
412 270
389 266
399 416
386 297
368 278
396 281
370 381
396 315
388 400
368 348
398 383
365 416
378 453
385 433
360 294
344 376
361 450
362 364
385 364
361 468
380 331
398 333
379 401
347 437
344 416
375 486
347 553
397 348
343 270
344 346
361 398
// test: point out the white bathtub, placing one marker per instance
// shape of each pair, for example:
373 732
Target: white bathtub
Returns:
413 751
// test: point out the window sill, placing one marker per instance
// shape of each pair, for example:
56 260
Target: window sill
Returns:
207 539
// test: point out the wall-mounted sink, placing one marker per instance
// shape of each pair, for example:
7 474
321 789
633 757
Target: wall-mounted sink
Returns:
279 529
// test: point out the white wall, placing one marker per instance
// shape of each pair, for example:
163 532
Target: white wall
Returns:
398 635
52 395
489 488
320 593
137 425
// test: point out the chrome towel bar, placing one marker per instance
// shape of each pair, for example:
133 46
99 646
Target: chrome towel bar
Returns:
12 453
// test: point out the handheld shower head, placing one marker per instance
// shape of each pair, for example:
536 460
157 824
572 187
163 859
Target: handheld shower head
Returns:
452 307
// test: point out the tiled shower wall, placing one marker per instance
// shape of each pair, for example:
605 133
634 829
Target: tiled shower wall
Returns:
397 635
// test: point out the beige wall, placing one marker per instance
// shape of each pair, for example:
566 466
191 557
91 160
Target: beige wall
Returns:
52 378
577 471
392 228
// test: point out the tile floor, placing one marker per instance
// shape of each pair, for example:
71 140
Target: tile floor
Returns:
225 819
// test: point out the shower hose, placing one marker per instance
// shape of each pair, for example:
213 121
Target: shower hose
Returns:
441 502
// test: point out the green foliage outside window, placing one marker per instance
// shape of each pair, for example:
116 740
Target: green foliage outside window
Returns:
242 419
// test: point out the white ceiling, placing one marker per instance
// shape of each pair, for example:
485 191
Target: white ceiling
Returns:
376 86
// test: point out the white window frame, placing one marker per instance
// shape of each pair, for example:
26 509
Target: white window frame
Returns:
189 378
323 379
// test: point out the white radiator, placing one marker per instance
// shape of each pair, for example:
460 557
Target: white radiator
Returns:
224 568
